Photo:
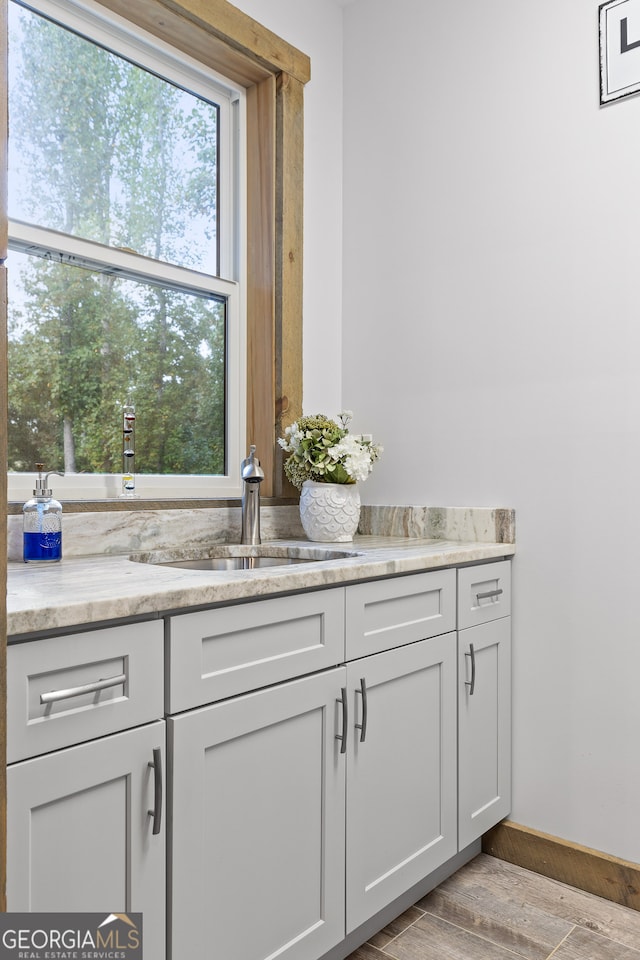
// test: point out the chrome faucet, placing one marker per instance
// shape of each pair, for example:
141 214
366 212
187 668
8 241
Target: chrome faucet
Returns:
252 477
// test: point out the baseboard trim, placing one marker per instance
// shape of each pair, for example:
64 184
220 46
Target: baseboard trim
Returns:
582 867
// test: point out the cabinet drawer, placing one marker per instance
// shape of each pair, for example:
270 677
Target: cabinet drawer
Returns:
219 653
389 613
484 593
69 689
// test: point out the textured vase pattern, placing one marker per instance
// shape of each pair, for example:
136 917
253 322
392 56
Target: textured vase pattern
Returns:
329 511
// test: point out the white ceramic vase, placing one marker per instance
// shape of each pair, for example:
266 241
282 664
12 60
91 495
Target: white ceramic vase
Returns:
330 511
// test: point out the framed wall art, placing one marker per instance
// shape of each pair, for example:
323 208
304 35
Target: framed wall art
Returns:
619 22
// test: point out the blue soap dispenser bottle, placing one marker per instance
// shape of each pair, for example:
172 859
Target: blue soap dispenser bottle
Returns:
42 522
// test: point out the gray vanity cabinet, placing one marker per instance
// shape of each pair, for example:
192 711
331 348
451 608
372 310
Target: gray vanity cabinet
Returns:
401 772
484 698
85 820
317 801
401 755
257 778
257 845
328 753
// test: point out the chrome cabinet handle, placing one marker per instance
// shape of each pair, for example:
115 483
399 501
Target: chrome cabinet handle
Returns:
56 695
362 727
156 813
489 593
345 721
471 683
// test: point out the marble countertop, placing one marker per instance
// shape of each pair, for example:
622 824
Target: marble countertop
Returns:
88 590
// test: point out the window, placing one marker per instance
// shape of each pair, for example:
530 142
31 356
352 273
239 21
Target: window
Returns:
125 257
273 75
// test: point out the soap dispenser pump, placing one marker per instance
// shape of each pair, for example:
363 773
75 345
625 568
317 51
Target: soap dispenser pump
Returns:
42 522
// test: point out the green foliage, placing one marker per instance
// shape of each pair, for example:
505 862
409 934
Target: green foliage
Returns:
324 451
113 154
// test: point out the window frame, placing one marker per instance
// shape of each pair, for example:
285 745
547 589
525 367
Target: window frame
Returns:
110 31
273 74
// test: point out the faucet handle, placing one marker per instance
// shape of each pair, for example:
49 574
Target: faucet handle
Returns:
252 472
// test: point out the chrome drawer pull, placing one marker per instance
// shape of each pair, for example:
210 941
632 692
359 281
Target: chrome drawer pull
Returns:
345 721
362 727
156 813
489 593
471 683
94 687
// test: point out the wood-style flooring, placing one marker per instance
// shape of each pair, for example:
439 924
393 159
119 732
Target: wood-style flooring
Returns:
493 910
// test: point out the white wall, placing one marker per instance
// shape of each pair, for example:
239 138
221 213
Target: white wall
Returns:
315 27
491 337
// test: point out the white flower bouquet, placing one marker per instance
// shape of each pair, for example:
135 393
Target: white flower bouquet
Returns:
323 450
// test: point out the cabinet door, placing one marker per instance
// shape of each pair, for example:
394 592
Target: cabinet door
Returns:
225 652
80 835
401 771
484 756
257 839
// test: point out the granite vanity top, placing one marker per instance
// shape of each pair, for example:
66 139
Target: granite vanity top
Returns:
89 590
